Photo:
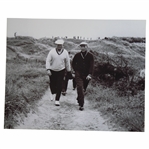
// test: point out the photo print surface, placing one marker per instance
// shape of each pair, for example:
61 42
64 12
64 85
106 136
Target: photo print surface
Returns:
67 74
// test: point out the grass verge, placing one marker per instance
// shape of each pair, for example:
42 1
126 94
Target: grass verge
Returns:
25 85
126 111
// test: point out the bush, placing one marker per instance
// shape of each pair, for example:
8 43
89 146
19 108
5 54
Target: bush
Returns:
127 86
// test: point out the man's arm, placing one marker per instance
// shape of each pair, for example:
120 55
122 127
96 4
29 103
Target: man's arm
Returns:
91 67
48 63
74 63
68 67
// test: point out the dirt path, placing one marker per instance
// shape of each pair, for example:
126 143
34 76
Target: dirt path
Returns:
66 116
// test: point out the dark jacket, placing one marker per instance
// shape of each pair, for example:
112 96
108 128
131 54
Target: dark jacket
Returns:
83 63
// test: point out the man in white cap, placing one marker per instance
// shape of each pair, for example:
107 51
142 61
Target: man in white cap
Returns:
57 63
82 64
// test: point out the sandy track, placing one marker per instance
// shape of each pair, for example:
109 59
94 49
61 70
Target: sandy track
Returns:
67 116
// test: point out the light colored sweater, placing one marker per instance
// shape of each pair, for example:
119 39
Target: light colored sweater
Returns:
58 62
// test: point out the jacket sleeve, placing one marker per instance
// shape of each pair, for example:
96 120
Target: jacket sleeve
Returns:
48 61
74 63
91 64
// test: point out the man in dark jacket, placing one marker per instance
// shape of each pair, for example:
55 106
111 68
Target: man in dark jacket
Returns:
82 64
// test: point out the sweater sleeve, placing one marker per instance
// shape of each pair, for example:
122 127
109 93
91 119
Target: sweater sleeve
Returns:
67 62
48 60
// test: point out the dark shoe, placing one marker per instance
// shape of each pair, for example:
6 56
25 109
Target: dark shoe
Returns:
81 108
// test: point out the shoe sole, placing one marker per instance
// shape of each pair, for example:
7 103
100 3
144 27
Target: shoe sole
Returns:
57 105
81 109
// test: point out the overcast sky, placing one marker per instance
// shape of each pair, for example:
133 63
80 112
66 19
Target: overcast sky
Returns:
39 28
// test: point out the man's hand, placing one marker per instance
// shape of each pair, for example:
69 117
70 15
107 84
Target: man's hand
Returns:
49 72
88 77
73 75
69 74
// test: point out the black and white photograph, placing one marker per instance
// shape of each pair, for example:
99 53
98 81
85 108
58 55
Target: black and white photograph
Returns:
74 74
69 74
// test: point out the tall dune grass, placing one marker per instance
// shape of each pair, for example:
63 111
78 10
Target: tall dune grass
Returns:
25 84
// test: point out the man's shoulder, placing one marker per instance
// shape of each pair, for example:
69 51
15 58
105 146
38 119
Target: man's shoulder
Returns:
90 54
64 50
77 54
51 49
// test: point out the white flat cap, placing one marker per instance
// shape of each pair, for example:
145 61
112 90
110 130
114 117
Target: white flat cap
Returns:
59 41
83 43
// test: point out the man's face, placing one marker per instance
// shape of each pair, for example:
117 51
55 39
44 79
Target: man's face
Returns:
83 48
59 46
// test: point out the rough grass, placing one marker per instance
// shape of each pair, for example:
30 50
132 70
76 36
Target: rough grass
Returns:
26 79
126 111
25 84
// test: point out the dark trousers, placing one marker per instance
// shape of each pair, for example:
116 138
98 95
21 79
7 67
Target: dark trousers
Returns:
56 83
65 83
74 83
82 84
